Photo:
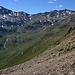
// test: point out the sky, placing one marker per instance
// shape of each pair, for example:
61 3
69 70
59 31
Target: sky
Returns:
37 6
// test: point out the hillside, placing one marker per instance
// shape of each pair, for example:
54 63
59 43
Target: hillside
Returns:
59 60
37 38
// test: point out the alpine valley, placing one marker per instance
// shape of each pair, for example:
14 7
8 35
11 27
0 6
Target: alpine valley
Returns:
37 44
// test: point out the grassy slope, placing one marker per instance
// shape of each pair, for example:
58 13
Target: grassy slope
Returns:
49 40
13 47
34 44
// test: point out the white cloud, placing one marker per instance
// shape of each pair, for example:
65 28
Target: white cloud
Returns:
16 0
60 6
50 2
55 0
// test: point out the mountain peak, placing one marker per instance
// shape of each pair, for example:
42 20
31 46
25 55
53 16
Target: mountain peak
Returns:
68 9
1 7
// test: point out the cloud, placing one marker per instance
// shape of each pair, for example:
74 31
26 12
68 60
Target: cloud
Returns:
60 6
55 0
50 2
16 0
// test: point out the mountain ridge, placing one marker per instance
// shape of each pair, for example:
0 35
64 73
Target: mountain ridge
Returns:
18 18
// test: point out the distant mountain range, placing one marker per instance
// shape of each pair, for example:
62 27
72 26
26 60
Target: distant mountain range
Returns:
10 17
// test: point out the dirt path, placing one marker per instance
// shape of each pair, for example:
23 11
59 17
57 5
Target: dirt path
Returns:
5 44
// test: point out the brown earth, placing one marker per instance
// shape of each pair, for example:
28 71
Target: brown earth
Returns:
63 65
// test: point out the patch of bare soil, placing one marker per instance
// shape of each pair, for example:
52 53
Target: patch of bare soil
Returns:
63 65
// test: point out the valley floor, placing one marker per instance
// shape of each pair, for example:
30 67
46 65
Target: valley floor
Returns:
63 65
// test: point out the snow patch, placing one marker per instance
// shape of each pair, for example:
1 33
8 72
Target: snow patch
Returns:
57 15
68 12
1 26
10 14
40 21
52 24
14 13
47 16
4 16
30 18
